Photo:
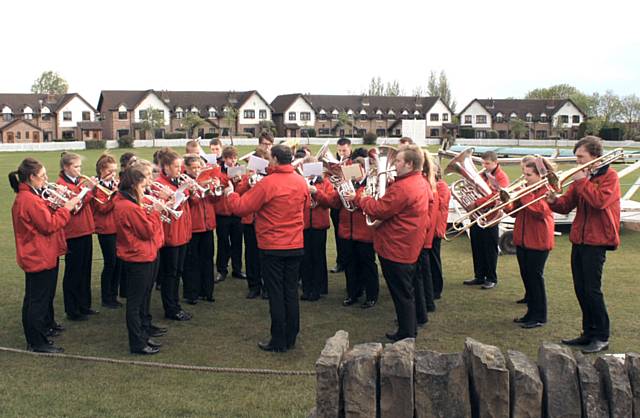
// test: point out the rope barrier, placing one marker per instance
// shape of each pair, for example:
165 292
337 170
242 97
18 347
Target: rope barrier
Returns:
186 367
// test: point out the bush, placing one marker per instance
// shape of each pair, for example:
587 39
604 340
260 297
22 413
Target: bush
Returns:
311 132
492 134
175 135
467 133
61 140
125 142
211 135
96 144
369 138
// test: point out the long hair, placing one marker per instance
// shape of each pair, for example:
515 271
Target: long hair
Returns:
66 158
103 161
28 167
131 177
429 169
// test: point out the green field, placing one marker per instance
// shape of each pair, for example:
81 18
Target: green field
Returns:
225 333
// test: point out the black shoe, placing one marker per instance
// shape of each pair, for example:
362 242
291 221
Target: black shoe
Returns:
157 333
180 316
473 282
220 278
595 346
338 268
253 293
368 304
422 324
210 299
89 312
266 346
239 275
148 350
581 340
52 333
77 317
521 320
436 297
523 300
393 336
191 301
531 324
46 348
153 343
157 287
58 327
431 308
349 301
488 285
265 295
111 305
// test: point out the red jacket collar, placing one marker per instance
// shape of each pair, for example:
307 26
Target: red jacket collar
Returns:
410 174
288 168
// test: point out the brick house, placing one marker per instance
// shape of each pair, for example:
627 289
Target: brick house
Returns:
44 117
543 118
382 115
123 111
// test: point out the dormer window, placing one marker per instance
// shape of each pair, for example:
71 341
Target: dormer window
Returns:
499 117
529 117
350 113
334 114
28 113
7 113
194 110
405 114
543 118
513 115
122 113
179 113
45 113
391 114
212 112
416 114
363 115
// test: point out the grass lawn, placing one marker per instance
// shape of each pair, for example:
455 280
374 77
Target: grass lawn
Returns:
225 333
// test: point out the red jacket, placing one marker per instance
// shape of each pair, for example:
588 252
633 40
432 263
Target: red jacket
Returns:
444 195
597 200
278 201
501 179
433 217
353 225
222 205
135 232
203 212
318 217
103 213
178 232
39 231
534 226
81 222
404 212
241 189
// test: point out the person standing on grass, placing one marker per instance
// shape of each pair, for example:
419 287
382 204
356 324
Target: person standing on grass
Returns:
39 235
595 194
442 197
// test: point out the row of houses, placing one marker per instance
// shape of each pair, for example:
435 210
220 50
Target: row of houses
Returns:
122 113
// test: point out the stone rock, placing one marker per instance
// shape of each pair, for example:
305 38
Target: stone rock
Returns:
526 386
489 380
396 379
632 363
441 385
559 374
594 401
616 385
359 372
328 375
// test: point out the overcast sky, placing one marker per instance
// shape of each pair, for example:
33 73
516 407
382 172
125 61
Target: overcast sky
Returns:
487 48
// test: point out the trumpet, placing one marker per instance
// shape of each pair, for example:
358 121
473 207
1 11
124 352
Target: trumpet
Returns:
58 195
167 214
106 191
254 179
193 184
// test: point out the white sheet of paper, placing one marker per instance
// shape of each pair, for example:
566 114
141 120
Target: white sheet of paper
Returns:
352 171
312 169
83 192
257 164
236 171
211 158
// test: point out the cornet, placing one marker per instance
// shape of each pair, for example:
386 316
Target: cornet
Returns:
254 179
192 184
167 214
56 195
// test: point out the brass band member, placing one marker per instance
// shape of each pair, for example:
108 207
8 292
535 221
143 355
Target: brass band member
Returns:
76 283
423 282
265 141
343 151
595 229
278 201
484 241
442 197
399 239
39 236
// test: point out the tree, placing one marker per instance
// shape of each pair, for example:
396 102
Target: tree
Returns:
154 119
230 117
565 91
267 126
393 89
439 87
418 92
50 83
376 87
608 106
518 127
344 120
191 121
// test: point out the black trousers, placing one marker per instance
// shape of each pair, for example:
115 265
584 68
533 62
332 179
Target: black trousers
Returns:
110 277
484 249
587 263
335 219
435 262
39 291
280 274
399 278
361 270
423 287
76 282
252 258
138 317
198 266
531 264
229 232
314 263
123 280
171 266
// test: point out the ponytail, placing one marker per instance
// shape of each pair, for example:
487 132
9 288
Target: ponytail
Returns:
27 168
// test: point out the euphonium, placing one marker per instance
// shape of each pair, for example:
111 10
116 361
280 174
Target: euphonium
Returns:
383 159
343 186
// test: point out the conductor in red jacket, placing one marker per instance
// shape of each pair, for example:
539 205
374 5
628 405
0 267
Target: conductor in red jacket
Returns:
40 241
398 240
278 202
596 228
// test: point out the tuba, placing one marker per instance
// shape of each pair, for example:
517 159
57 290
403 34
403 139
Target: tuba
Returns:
380 171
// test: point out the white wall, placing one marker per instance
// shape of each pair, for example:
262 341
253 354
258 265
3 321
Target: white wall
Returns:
152 101
474 110
300 105
256 104
570 110
439 108
76 106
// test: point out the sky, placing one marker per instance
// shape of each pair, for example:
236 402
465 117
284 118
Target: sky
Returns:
486 48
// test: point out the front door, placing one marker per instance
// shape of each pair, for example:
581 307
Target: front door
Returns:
10 138
36 136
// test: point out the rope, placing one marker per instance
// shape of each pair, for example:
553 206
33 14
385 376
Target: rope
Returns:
231 370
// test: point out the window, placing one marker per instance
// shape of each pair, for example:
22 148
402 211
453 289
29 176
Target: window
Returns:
499 118
212 114
334 116
481 119
122 115
158 133
28 116
66 115
142 115
18 135
502 134
529 117
481 134
543 118
322 116
541 134
86 115
249 114
68 135
381 132
363 116
46 116
225 131
123 132
212 130
26 135
397 132
250 131
434 117
467 119
262 114
435 132
161 113
575 119
564 118
445 117
324 131
179 114
305 115
292 115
